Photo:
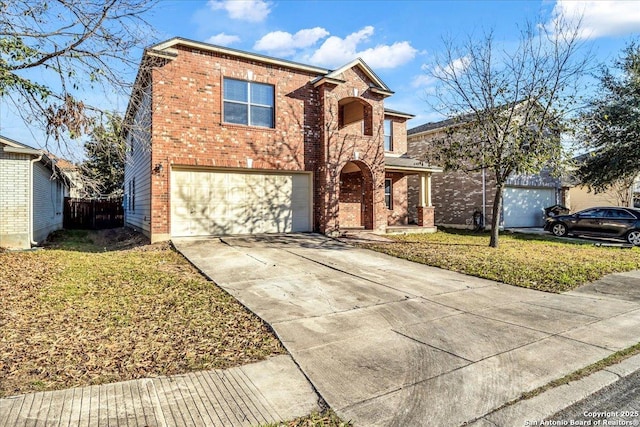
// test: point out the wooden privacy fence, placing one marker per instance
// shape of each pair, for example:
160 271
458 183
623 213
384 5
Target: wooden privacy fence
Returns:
93 214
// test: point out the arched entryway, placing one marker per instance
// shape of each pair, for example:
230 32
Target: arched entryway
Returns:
355 208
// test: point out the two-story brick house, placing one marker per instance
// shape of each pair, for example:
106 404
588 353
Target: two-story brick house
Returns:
223 141
458 194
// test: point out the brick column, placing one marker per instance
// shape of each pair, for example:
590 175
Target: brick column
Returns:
426 216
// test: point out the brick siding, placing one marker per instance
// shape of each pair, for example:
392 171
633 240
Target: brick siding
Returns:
14 200
399 214
455 195
188 130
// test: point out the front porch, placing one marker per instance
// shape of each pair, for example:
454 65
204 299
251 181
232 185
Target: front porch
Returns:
360 235
397 169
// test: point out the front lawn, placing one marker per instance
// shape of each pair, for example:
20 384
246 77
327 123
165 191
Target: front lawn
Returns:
93 309
536 262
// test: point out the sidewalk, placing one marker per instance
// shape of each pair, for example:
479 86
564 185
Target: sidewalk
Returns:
264 392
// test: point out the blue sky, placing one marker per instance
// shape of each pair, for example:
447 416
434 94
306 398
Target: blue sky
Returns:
398 39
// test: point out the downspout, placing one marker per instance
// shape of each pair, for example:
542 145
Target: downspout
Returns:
31 166
484 189
484 196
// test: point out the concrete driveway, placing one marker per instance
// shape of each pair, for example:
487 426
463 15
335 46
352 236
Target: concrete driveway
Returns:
390 342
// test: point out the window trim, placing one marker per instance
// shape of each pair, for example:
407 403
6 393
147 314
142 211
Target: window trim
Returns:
390 147
249 104
132 195
388 202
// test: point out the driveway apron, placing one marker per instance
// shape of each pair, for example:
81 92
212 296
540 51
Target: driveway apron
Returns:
388 342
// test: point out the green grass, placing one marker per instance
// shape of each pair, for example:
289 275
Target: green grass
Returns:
536 262
77 315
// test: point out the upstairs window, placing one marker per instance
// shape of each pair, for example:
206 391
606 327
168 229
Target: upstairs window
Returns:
248 103
388 135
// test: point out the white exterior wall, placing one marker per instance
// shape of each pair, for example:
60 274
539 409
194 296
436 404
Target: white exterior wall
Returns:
138 168
14 200
48 198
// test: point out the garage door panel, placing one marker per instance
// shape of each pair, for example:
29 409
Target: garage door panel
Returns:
218 202
524 207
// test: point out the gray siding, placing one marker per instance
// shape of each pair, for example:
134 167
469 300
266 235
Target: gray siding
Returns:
543 179
48 198
138 169
14 200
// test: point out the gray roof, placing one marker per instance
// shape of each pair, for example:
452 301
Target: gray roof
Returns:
392 112
405 162
441 124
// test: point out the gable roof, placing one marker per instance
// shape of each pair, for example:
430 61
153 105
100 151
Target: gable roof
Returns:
358 62
49 160
461 119
396 113
169 45
167 50
13 146
443 124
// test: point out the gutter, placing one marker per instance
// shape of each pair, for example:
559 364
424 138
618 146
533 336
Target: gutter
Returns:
31 166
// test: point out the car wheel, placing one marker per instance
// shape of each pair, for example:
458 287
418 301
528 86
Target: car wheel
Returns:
559 229
633 237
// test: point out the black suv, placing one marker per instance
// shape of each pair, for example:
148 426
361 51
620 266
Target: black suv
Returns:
612 222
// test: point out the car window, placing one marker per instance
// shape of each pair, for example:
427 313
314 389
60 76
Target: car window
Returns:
618 213
592 213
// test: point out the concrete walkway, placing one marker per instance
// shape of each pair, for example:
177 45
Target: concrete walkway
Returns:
270 391
394 343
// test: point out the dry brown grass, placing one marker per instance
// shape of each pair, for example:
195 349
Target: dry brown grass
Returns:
536 262
327 418
75 314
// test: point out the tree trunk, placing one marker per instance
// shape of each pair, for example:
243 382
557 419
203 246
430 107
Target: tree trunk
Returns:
495 216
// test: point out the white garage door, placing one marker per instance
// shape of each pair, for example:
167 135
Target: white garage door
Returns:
218 202
524 207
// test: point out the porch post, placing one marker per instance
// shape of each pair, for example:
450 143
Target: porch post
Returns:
425 189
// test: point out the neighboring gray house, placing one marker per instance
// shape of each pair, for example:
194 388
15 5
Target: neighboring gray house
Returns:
456 195
32 195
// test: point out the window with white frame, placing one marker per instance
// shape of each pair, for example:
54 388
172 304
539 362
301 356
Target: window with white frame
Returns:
388 135
132 194
248 103
388 193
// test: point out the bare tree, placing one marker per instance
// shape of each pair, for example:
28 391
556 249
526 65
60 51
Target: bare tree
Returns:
508 105
55 53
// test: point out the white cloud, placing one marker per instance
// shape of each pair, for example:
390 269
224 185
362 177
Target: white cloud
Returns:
384 56
422 80
281 43
601 18
243 10
457 66
430 74
336 51
223 39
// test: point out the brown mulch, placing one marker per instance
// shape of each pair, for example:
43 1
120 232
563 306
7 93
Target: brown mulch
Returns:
107 306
